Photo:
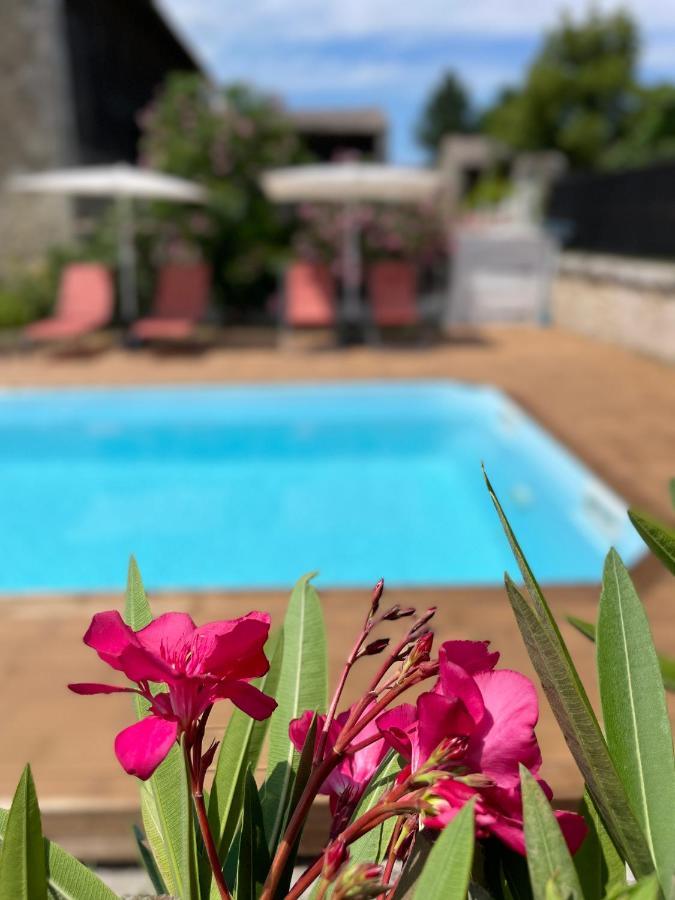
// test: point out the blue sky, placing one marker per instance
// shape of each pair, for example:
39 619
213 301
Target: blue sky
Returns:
389 53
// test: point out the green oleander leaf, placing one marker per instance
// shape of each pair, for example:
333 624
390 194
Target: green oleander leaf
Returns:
598 864
303 684
549 861
635 714
67 877
572 709
658 537
253 860
666 663
239 750
372 846
446 873
23 869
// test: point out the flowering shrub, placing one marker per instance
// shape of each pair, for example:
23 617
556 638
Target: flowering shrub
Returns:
434 797
411 233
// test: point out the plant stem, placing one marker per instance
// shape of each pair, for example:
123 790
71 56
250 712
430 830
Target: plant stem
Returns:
209 843
367 822
316 779
330 715
391 858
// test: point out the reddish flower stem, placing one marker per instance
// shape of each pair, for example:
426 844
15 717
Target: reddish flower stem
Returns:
330 715
391 858
367 822
316 779
196 788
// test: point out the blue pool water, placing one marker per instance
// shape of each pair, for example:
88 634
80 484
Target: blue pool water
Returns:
237 487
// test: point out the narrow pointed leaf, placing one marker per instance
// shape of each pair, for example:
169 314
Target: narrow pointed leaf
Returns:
303 684
299 784
599 866
372 846
658 537
165 797
253 860
67 877
635 714
239 749
148 861
666 664
448 868
572 708
645 889
548 857
23 871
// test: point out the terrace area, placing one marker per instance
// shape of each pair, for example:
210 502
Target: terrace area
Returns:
610 406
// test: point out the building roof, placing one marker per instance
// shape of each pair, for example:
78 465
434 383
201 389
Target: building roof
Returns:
339 121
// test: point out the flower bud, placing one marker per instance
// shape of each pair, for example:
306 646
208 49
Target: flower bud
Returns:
422 621
376 596
207 757
359 880
334 858
375 647
398 612
477 780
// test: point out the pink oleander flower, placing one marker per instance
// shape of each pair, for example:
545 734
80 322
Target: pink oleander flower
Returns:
347 782
490 715
199 666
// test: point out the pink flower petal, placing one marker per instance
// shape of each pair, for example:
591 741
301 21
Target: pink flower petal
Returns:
398 726
172 629
141 747
248 698
439 717
364 762
140 665
93 688
453 681
506 737
472 656
110 636
234 649
573 827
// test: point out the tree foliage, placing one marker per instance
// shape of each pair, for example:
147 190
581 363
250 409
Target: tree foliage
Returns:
223 138
579 95
448 110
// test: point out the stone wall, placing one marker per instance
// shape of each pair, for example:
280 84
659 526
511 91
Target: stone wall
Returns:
36 124
623 301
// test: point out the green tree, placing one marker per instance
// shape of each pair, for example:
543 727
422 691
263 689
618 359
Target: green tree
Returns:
223 138
651 133
579 95
447 110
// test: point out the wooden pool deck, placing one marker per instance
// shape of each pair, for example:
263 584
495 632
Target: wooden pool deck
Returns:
614 409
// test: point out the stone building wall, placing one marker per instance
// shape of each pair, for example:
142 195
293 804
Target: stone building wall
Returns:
36 124
624 301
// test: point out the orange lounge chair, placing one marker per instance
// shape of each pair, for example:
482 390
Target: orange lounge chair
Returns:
84 304
309 296
392 288
181 301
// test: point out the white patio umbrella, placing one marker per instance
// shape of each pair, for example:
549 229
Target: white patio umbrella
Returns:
123 183
349 184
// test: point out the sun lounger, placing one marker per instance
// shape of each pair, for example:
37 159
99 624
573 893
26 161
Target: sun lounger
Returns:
309 296
181 302
84 304
392 290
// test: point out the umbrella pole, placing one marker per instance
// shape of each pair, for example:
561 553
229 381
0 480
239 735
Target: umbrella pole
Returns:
126 258
351 266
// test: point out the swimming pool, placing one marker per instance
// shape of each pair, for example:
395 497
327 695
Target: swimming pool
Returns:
250 487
